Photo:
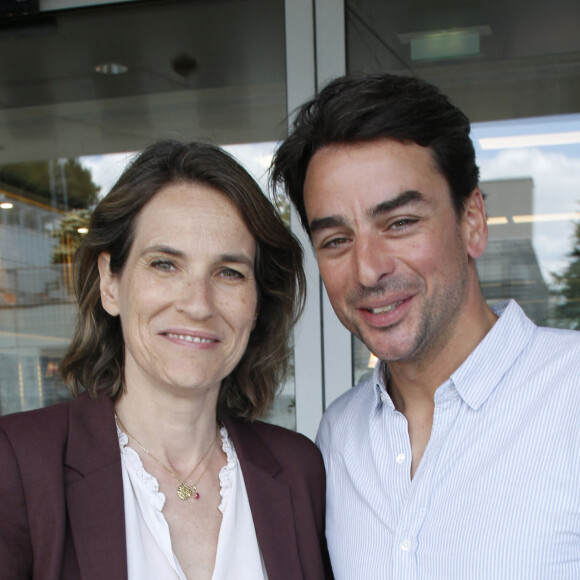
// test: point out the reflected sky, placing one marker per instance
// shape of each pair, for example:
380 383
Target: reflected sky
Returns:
554 169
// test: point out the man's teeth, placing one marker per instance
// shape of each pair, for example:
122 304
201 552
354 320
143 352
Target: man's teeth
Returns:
388 308
188 337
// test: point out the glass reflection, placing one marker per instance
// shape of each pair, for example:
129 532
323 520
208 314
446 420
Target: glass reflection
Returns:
45 209
530 171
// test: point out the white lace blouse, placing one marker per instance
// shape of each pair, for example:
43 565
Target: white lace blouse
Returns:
149 551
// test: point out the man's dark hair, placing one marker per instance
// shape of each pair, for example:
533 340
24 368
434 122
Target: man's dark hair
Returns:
367 107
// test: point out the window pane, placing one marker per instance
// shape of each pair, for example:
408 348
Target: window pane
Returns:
514 68
530 171
36 303
73 102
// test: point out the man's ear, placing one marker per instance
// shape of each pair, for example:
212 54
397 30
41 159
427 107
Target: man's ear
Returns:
474 224
109 285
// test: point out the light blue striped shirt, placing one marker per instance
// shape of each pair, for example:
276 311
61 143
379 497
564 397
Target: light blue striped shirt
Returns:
497 493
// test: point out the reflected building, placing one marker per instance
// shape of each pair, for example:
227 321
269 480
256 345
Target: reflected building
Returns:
509 267
37 306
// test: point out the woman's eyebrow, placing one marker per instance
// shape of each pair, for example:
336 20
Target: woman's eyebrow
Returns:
161 249
237 259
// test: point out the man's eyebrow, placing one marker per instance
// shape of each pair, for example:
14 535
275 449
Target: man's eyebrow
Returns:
333 221
404 198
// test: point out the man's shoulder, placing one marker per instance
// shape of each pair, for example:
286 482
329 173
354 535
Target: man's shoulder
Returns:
556 351
346 412
519 322
560 335
531 345
554 344
352 401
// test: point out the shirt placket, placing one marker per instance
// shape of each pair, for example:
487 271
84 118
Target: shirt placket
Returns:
415 502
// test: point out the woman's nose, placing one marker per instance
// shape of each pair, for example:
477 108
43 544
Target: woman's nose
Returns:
195 298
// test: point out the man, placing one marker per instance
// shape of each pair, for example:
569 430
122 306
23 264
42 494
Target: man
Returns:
460 458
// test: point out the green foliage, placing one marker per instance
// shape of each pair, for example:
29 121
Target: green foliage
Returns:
69 238
282 205
568 310
35 179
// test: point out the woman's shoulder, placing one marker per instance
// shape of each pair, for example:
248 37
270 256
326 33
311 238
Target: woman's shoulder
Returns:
49 425
36 420
272 433
286 445
30 441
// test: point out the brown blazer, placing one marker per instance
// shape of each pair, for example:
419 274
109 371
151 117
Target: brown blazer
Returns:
61 495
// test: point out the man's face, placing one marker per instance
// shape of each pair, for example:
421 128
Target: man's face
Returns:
393 255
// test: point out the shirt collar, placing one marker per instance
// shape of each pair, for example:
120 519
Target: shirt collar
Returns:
380 379
483 369
492 358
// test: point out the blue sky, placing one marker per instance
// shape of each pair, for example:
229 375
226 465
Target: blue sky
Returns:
554 169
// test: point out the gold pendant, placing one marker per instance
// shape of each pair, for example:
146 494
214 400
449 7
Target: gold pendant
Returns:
185 491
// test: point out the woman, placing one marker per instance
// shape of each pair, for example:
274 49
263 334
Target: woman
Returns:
188 285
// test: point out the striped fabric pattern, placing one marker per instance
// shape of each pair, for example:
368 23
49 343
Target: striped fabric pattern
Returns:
497 493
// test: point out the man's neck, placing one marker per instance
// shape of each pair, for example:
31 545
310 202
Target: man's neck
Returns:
412 383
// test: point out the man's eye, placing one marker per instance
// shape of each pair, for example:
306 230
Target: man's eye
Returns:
163 265
335 243
402 223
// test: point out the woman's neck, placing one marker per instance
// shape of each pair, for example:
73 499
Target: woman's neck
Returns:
175 430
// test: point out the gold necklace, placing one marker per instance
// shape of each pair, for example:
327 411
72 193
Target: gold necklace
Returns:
184 490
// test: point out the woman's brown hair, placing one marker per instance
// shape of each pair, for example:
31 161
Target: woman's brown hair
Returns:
95 358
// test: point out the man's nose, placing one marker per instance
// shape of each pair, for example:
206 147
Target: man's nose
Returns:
373 260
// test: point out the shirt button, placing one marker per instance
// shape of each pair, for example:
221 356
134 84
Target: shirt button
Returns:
401 458
406 545
384 398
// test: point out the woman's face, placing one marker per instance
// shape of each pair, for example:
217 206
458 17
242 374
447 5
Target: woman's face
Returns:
187 296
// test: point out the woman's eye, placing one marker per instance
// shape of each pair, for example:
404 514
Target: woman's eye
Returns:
163 265
231 274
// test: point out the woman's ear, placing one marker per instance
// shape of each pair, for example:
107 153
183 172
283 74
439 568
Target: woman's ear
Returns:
475 224
109 285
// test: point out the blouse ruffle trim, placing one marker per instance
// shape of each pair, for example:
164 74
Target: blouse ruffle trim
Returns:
149 482
226 475
228 471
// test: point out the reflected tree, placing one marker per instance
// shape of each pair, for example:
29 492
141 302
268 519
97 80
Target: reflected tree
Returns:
282 205
63 183
69 234
73 225
567 312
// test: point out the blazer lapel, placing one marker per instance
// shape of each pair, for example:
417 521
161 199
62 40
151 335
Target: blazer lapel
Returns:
270 501
94 490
